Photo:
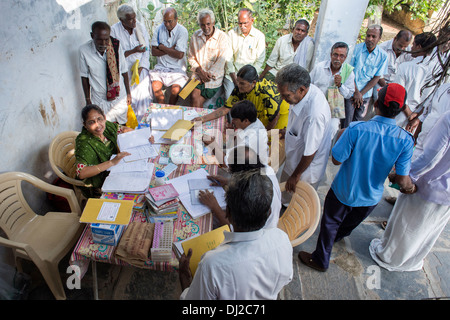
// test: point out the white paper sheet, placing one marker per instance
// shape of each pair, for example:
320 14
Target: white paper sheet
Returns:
181 184
133 138
122 166
141 152
164 119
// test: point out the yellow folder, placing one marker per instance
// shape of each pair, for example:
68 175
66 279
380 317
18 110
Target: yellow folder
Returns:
188 89
107 211
178 130
202 244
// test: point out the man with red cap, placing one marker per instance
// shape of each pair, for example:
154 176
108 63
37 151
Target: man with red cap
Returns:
367 152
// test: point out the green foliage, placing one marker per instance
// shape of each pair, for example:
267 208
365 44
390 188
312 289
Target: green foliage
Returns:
419 8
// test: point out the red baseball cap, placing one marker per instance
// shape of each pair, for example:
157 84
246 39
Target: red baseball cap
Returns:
393 92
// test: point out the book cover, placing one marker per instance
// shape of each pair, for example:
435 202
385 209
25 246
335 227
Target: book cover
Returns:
164 192
107 211
203 243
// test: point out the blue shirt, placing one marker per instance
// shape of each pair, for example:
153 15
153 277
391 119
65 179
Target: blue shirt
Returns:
368 151
368 65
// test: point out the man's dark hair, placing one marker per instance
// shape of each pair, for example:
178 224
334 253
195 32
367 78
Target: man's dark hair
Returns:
303 22
426 41
339 45
243 158
249 198
244 109
405 34
100 25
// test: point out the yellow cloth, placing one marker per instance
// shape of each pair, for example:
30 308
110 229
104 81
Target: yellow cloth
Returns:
132 120
135 73
267 101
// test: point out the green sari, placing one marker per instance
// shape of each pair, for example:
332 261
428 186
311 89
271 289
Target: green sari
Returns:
91 151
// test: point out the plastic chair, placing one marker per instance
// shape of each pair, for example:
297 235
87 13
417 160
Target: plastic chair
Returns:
61 154
43 239
302 216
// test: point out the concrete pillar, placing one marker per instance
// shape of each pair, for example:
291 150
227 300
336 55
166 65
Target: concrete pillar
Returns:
338 21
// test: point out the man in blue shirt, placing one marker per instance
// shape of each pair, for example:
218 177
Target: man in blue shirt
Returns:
370 63
367 152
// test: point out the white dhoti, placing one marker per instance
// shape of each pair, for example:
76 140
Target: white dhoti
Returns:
413 228
115 110
141 94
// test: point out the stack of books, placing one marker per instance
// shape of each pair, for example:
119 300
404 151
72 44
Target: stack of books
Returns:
162 200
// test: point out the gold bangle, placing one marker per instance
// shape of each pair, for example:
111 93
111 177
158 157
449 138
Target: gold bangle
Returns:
98 169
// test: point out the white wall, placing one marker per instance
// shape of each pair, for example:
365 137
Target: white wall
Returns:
40 86
338 21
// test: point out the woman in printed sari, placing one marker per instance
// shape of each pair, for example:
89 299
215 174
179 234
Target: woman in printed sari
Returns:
94 147
272 110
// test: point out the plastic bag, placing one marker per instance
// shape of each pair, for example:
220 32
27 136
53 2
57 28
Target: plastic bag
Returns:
132 120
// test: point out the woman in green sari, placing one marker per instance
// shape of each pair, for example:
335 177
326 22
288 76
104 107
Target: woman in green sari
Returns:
94 147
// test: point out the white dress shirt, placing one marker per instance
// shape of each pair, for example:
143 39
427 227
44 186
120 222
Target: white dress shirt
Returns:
393 60
322 77
246 266
308 131
413 75
283 54
255 137
250 49
130 41
178 37
93 66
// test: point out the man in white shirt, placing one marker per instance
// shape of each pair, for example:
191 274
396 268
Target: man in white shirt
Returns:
395 48
252 263
247 130
335 73
249 47
308 133
238 159
169 46
104 74
134 40
413 75
295 47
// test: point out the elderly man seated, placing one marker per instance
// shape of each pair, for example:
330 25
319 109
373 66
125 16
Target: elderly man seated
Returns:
249 47
209 50
134 41
169 46
252 262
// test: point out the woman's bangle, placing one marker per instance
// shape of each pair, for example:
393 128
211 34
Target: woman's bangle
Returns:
98 169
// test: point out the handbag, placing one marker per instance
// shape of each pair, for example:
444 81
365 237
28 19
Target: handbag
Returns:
336 102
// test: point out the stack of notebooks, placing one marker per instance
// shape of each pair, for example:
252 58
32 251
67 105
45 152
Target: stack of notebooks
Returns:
162 199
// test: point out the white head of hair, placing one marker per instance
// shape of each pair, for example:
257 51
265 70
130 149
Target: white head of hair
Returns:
123 10
206 12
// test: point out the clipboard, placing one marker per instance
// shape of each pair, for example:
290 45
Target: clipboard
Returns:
178 130
188 88
107 211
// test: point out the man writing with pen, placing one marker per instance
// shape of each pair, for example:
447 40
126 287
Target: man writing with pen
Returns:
239 159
